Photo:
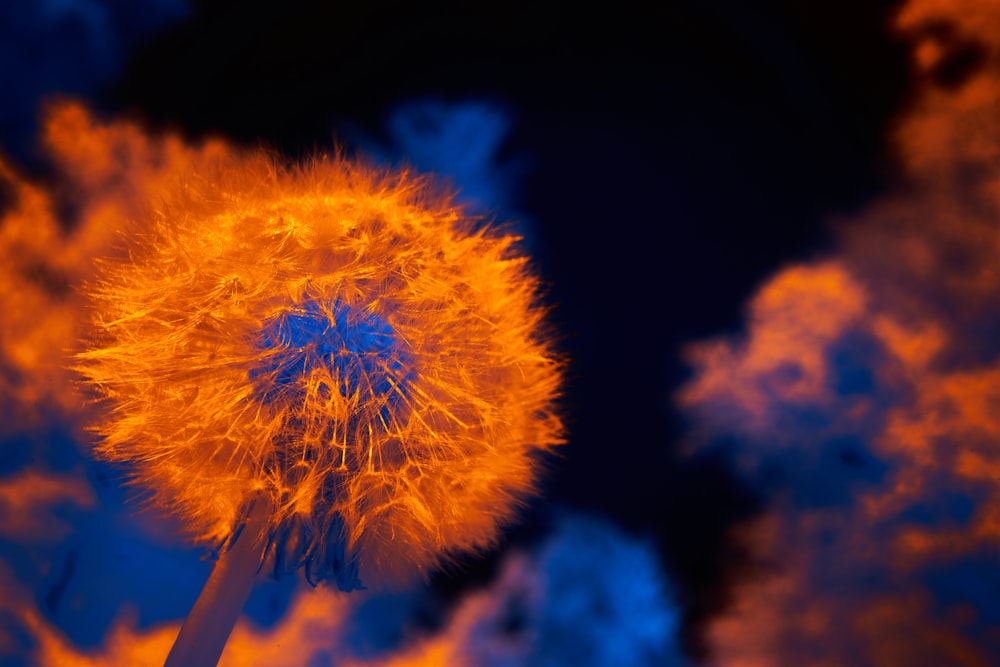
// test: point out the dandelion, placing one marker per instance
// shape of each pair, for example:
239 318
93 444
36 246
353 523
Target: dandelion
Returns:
331 360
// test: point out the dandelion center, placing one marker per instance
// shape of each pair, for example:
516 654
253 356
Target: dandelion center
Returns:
330 353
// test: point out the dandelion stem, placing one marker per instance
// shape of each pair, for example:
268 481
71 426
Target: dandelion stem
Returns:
206 630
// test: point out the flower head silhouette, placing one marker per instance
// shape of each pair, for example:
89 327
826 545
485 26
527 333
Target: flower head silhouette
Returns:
339 341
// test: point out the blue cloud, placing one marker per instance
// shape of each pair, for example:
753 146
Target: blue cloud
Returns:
460 141
591 596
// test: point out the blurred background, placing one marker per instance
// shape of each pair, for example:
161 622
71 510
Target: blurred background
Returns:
769 232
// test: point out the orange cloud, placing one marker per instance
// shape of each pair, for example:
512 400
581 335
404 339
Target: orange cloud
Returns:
793 319
26 500
311 626
865 395
39 305
107 175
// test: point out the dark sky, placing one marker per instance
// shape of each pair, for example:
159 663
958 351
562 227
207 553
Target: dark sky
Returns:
672 157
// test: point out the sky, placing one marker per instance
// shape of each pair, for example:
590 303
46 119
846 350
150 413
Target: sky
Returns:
767 232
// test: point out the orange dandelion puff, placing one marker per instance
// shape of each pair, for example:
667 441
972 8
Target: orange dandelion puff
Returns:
339 344
339 339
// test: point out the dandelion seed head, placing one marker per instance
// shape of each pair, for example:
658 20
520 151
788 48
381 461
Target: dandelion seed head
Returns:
340 340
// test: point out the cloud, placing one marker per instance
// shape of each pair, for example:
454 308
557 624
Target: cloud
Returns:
862 397
65 47
462 141
589 595
27 501
49 235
